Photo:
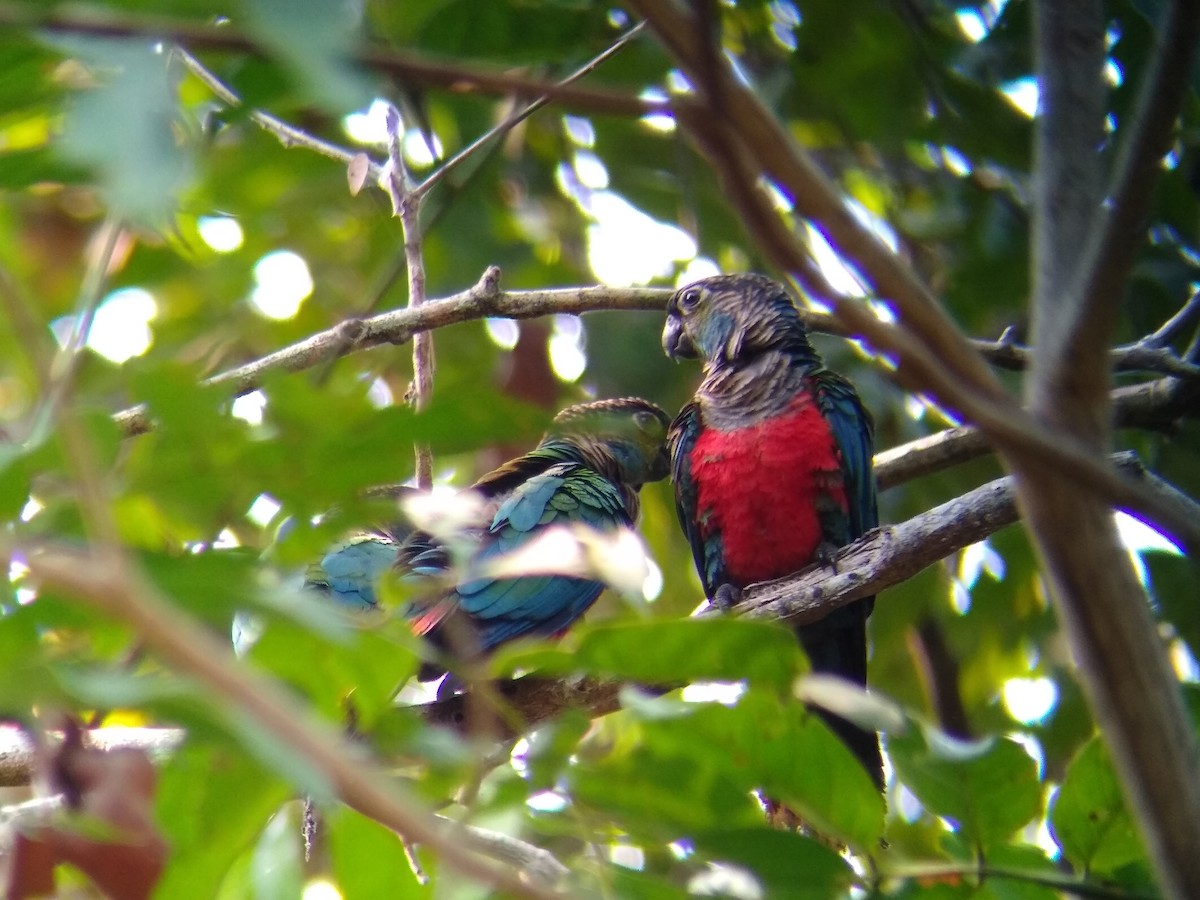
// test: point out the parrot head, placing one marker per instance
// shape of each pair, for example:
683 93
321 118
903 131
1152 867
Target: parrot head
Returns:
630 431
731 317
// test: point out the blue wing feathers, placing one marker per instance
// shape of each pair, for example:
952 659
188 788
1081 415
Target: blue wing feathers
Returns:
349 571
505 608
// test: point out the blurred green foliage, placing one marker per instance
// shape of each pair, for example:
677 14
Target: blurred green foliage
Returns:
911 116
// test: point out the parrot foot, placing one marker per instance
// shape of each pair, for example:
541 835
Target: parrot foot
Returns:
727 597
827 554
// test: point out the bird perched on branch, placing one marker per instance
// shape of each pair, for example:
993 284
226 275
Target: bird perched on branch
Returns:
771 462
587 470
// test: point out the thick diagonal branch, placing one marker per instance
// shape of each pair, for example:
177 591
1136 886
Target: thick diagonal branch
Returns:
1084 260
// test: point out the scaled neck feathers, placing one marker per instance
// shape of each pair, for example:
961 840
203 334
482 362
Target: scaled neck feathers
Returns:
740 392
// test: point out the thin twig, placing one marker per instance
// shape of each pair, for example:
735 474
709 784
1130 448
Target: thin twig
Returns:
397 327
517 118
1065 885
288 135
406 205
1187 316
65 364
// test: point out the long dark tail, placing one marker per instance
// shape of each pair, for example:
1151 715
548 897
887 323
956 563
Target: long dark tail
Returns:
837 645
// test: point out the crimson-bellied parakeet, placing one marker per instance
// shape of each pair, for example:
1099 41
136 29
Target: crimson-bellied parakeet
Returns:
771 462
587 470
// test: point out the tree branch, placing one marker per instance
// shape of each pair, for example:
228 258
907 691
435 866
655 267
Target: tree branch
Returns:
512 121
1152 404
880 559
777 156
1025 441
105 580
1117 233
405 67
406 206
1084 257
397 327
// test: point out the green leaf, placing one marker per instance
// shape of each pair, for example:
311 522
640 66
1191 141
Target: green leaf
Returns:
794 758
277 864
1088 817
368 860
361 668
784 863
212 802
989 788
125 128
314 38
667 652
661 792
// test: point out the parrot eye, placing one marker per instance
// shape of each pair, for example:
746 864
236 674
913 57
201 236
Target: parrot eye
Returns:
644 420
689 298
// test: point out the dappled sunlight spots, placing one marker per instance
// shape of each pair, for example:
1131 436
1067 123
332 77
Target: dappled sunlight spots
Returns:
973 561
906 804
971 24
18 572
779 198
321 889
1113 73
120 329
653 585
627 247
379 395
590 171
263 510
840 276
1023 95
976 22
1030 700
725 880
784 19
567 356
32 507
504 332
368 126
700 267
547 802
221 233
1183 662
421 150
580 130
627 857
226 540
977 559
664 123
518 758
724 692
878 226
249 407
919 407
1140 538
282 283
955 162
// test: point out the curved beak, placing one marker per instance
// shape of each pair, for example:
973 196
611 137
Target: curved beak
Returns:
675 341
